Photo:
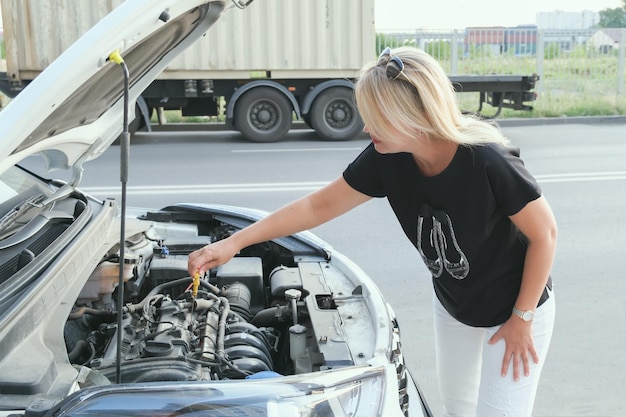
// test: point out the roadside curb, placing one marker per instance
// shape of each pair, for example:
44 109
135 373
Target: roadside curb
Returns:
540 121
544 121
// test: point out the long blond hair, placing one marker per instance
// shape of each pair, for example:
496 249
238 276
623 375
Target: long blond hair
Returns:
421 99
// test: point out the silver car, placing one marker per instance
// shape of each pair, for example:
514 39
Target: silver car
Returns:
98 314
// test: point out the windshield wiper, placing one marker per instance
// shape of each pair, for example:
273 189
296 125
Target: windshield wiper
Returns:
34 226
16 212
77 175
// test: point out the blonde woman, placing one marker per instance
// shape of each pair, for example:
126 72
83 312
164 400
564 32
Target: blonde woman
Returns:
474 213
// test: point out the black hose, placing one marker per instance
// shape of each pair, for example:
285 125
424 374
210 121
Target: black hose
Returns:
212 288
75 315
77 351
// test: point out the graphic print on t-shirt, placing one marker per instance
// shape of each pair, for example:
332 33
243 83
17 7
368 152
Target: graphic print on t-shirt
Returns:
437 244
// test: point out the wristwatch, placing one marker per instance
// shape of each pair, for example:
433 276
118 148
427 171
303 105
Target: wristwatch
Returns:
524 315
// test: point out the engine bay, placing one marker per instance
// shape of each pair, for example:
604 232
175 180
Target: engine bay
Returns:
271 309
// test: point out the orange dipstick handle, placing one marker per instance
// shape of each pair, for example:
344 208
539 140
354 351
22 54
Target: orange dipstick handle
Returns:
196 284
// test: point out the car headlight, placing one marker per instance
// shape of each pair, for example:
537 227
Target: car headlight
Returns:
354 392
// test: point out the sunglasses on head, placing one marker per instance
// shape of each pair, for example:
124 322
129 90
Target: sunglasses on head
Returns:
394 67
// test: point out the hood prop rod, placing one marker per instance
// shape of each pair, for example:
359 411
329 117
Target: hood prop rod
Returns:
124 158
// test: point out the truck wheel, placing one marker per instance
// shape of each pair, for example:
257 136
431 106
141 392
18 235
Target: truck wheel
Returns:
263 115
334 115
139 123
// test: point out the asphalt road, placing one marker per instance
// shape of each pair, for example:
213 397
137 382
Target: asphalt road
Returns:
581 168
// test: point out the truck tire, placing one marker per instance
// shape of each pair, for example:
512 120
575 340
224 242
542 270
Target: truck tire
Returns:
334 115
263 115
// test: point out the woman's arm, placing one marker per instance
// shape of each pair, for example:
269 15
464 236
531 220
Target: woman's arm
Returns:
536 221
305 213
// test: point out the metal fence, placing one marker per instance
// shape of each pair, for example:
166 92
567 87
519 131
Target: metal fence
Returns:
581 71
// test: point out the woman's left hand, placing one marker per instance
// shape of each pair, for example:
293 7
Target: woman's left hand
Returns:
520 349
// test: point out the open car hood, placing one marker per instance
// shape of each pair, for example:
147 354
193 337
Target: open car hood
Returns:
74 109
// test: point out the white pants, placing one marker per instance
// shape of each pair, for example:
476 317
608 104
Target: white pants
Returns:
468 369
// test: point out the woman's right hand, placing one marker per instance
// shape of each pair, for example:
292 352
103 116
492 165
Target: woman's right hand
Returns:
211 256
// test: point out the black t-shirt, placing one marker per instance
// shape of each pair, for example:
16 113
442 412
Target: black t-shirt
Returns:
458 221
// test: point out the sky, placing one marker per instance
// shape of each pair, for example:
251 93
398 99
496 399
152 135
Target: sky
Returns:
458 14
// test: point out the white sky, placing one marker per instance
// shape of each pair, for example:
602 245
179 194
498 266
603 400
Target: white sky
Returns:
458 14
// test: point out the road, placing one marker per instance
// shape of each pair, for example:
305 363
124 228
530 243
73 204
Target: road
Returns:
580 167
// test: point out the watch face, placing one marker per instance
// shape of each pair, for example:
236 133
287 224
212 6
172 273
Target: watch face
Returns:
527 315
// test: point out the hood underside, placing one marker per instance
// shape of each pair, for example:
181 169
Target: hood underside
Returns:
74 109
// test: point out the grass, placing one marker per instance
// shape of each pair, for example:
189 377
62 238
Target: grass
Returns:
175 116
583 83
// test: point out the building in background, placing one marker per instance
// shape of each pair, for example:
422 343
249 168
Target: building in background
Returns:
498 40
605 40
559 19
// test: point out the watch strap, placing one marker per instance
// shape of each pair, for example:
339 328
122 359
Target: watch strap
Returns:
526 315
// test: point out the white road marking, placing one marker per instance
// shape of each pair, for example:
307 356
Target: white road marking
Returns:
583 176
308 186
207 188
294 150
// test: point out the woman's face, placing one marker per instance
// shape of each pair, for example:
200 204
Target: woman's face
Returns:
389 139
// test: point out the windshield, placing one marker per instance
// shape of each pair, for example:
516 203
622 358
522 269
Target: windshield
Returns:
15 182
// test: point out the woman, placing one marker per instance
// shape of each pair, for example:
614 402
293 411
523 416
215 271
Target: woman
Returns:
475 215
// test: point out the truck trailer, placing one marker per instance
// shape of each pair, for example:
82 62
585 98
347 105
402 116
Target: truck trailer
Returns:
261 71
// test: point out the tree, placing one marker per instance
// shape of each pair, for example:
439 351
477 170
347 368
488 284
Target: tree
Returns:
613 18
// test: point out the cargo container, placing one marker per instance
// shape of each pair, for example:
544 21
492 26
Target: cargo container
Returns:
261 70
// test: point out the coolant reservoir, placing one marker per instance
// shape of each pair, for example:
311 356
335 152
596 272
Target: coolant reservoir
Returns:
297 349
105 278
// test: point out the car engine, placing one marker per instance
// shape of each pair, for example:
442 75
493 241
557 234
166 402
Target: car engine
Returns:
261 312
